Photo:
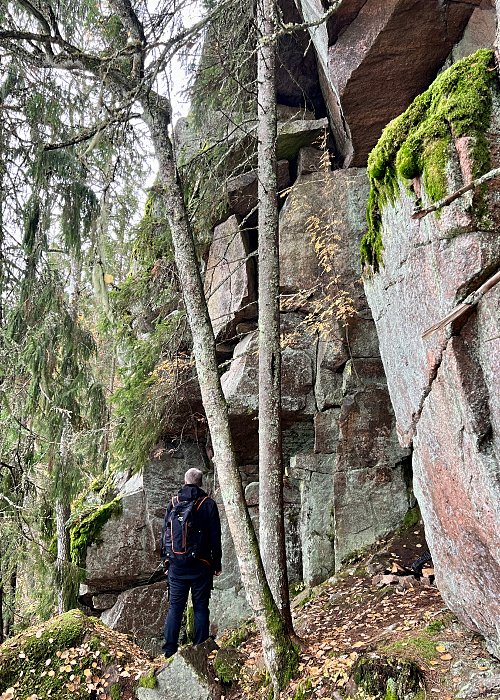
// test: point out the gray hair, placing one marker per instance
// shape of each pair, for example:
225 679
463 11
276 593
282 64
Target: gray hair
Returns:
193 476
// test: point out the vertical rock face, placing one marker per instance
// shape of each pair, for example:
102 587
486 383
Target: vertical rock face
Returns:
445 389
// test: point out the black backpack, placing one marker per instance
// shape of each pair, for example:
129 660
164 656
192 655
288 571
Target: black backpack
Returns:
180 537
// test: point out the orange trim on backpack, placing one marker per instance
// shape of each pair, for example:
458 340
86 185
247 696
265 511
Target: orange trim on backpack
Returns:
200 505
206 562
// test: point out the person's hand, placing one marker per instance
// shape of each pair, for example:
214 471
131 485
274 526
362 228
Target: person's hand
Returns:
217 573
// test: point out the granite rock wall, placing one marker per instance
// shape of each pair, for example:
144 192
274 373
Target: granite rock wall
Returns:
444 389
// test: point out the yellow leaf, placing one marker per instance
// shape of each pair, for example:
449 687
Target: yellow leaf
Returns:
68 668
108 279
441 648
357 645
87 672
51 674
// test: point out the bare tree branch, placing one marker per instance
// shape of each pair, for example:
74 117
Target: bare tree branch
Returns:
446 201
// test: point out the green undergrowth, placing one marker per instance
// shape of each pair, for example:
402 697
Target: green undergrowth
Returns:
227 665
422 645
458 103
391 678
239 635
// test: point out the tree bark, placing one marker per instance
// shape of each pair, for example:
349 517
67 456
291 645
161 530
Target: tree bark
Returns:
271 517
279 652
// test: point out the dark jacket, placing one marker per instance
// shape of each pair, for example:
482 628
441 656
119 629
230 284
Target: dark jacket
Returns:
206 517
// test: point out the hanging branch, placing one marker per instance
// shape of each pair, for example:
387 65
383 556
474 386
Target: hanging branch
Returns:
455 195
465 306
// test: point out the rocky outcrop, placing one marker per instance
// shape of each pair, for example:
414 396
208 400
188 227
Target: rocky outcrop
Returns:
371 48
444 390
185 675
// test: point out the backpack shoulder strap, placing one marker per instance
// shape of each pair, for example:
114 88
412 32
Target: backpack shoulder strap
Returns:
202 501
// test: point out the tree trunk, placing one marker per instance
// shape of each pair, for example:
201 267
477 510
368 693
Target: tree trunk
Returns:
279 652
63 511
271 518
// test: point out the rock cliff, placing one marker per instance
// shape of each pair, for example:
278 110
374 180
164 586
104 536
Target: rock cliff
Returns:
358 396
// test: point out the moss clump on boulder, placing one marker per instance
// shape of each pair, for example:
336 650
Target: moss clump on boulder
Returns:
87 529
149 680
227 665
458 103
390 677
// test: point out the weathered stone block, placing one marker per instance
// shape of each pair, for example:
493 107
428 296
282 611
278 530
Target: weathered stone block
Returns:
184 676
229 280
240 382
326 431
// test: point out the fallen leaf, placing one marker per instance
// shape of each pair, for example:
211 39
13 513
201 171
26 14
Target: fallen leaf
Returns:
38 634
357 645
87 672
51 674
445 657
440 648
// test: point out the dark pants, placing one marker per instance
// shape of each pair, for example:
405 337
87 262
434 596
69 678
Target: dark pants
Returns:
200 582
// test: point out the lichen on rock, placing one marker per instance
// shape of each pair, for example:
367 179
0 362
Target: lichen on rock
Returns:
458 103
86 530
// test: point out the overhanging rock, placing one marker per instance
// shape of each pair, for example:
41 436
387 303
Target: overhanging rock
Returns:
370 49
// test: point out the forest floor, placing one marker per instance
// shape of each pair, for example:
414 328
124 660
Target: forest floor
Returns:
350 616
355 615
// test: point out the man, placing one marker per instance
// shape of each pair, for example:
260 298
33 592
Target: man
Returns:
191 553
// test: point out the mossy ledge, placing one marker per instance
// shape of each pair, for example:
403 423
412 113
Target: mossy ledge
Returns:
458 103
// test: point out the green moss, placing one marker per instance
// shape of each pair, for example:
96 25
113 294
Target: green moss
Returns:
239 635
287 651
411 518
458 103
190 623
149 680
434 628
303 690
86 530
296 588
416 646
115 691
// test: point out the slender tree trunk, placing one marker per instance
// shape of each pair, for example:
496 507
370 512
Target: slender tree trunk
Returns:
271 518
279 652
63 505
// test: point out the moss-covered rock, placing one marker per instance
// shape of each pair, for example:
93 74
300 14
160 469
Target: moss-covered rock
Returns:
458 103
390 677
227 665
86 530
69 657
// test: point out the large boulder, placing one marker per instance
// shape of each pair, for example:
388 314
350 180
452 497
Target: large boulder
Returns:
361 51
141 612
444 389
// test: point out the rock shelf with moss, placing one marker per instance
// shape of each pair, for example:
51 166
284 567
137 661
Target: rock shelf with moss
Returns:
71 656
458 103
